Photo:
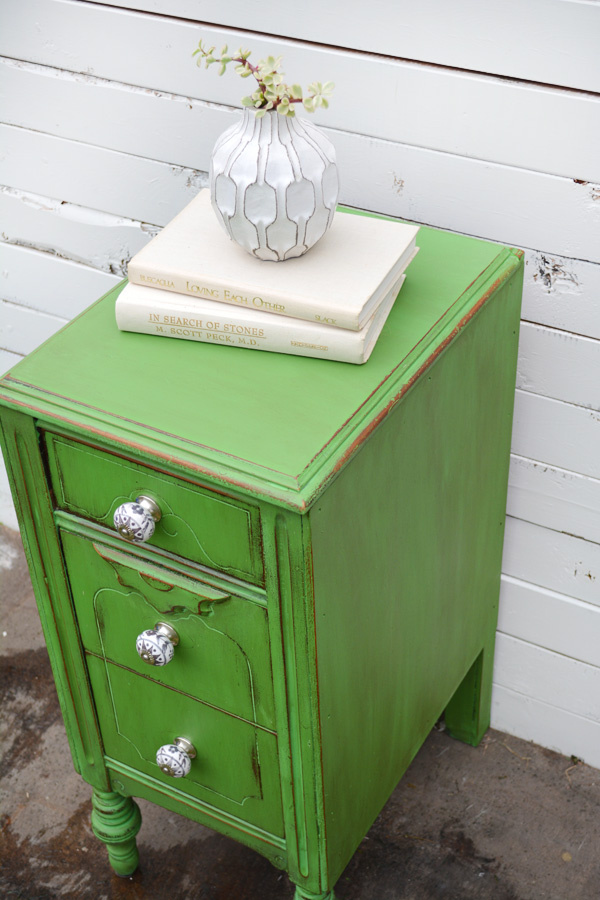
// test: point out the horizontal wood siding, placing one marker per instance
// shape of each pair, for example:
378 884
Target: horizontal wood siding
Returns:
524 716
432 186
552 559
548 41
443 109
44 282
558 364
558 433
95 178
554 498
487 125
549 620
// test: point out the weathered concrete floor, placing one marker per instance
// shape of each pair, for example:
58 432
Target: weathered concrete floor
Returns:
507 820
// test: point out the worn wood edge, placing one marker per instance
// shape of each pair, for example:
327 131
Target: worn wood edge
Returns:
215 467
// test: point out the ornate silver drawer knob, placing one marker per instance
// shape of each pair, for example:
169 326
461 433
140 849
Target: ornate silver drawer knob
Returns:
176 759
135 521
156 646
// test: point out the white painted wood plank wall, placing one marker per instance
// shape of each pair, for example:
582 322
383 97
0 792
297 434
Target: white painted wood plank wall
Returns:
483 120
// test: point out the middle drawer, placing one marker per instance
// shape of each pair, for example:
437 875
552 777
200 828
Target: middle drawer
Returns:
222 657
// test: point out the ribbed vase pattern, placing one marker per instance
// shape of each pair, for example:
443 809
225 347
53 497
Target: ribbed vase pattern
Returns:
274 184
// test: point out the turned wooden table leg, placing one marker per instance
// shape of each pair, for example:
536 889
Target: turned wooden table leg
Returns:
303 894
115 821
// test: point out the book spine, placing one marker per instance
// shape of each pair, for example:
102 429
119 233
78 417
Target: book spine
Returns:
235 295
281 336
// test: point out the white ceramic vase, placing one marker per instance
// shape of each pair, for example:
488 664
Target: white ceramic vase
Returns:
274 184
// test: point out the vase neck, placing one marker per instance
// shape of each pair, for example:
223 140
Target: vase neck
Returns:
270 122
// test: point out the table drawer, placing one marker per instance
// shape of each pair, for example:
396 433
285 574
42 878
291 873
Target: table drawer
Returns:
236 767
223 655
196 524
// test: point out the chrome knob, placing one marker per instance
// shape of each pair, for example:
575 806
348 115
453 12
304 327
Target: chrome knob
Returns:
176 759
157 645
135 521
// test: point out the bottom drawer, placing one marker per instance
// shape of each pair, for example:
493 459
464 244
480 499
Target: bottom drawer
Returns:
236 768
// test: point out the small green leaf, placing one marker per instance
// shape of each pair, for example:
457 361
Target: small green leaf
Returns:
260 113
247 101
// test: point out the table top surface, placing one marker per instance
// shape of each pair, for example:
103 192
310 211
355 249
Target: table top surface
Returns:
280 424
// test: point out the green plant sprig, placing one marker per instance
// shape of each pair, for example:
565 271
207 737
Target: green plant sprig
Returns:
271 91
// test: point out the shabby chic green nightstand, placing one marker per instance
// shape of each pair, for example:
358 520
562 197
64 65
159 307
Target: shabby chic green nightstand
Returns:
324 569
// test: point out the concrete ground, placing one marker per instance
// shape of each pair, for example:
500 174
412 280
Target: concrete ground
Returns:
507 820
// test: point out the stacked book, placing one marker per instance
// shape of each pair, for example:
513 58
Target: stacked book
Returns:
192 282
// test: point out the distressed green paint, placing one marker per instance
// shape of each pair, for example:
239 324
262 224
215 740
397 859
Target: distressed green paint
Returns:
115 821
330 551
407 548
34 508
277 423
236 765
222 638
133 782
205 527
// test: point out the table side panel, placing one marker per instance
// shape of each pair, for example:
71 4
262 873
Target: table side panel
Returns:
407 547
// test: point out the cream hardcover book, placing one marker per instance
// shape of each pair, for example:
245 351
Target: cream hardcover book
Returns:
167 314
339 282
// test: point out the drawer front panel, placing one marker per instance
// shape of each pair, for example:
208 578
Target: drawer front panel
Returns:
197 524
223 655
236 767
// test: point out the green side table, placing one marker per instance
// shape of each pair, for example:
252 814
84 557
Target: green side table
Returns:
320 575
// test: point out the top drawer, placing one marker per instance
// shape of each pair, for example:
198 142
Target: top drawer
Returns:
196 524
